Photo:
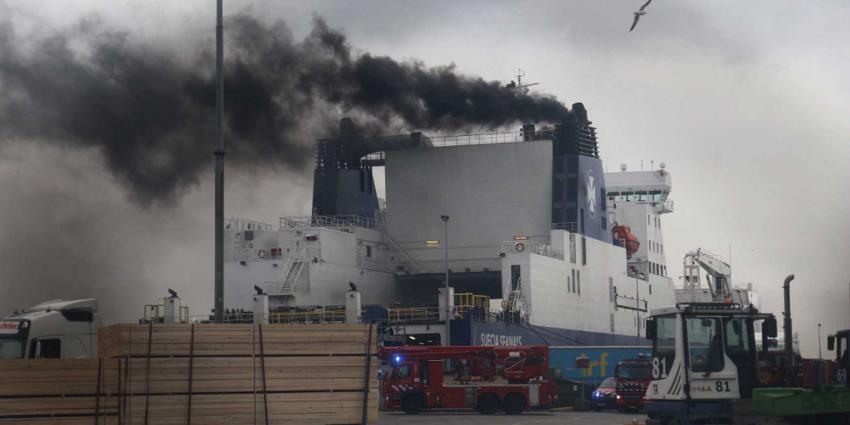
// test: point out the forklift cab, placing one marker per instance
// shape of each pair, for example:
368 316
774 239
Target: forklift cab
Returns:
706 351
840 343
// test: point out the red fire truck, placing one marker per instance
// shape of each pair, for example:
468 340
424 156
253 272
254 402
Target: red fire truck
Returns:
633 377
483 378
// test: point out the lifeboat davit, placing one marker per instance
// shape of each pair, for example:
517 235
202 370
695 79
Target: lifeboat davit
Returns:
624 237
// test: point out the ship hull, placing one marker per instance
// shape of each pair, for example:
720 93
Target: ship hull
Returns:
496 332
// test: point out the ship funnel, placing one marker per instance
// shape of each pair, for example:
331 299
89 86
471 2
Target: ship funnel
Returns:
528 132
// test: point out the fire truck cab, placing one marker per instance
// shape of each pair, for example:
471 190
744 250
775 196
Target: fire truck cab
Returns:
633 377
482 378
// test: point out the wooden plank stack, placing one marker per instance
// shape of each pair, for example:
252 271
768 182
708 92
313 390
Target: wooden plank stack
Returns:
222 374
58 392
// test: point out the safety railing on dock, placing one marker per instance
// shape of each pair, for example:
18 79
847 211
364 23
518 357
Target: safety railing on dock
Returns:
470 303
413 314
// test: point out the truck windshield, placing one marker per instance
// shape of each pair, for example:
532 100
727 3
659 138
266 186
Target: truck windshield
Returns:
11 348
705 344
633 372
402 372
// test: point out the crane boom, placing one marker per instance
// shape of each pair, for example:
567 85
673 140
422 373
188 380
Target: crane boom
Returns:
718 276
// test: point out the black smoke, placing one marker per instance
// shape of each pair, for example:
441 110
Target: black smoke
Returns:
149 109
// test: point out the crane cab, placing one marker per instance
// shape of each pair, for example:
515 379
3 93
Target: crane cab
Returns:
703 352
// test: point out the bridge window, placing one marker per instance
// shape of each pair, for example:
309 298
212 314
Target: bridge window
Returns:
602 198
573 288
578 282
583 250
572 247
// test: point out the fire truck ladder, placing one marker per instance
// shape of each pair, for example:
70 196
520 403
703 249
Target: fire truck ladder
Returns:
292 271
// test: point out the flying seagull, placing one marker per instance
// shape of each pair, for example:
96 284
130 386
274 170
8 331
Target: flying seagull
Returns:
639 13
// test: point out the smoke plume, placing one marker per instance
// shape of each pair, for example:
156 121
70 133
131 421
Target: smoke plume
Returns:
149 109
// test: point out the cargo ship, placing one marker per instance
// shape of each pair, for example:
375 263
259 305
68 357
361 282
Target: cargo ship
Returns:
538 243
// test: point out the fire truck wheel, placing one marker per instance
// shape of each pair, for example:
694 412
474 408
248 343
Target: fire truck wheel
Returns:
412 404
488 404
514 404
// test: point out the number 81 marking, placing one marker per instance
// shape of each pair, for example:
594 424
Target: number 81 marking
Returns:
659 368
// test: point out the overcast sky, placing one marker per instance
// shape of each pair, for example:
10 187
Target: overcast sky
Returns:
745 101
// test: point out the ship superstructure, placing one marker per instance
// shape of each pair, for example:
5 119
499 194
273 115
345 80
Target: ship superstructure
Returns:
567 253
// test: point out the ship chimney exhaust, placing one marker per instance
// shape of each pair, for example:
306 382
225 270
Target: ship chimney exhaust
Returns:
219 167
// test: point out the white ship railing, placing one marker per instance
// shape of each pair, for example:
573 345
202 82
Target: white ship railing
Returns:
339 222
529 246
235 223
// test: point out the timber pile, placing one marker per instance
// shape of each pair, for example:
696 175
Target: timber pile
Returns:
58 392
214 374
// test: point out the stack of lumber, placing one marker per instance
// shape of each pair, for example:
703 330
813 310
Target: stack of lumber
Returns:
58 392
211 374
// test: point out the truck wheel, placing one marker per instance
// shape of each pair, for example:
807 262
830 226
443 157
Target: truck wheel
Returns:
514 404
488 404
412 404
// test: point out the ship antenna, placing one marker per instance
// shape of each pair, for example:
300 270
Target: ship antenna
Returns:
523 88
219 166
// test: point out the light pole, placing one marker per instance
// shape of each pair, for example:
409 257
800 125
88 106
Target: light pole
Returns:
820 353
219 168
637 308
445 219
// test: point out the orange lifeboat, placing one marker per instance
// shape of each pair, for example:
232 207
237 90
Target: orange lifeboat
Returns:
624 237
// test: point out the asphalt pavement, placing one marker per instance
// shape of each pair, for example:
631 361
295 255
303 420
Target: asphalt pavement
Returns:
527 418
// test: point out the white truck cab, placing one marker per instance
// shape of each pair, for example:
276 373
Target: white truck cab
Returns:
52 329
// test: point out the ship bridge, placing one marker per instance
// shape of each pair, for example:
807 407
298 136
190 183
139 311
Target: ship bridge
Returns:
652 187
